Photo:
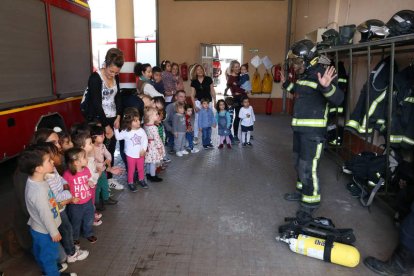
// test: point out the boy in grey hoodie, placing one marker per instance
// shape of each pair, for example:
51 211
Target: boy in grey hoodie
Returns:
41 204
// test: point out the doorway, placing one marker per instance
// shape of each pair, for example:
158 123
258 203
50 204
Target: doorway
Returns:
216 60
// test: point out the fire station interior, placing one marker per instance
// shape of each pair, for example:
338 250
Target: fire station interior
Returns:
222 211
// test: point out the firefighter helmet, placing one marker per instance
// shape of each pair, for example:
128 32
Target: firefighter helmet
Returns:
346 34
372 29
329 38
401 23
303 50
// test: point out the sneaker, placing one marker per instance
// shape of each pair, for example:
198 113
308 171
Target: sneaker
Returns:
132 188
206 147
171 151
143 184
62 266
92 239
68 274
98 216
113 184
249 144
221 146
97 222
195 150
184 152
210 146
166 159
228 146
78 256
244 145
111 201
179 153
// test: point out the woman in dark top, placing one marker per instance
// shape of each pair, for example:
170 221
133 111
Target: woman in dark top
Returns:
105 99
237 92
201 88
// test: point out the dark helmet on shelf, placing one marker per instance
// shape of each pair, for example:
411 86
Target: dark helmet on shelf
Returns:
372 29
302 51
329 38
401 23
346 34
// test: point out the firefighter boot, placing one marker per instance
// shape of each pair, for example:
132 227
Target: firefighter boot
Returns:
295 196
304 214
400 263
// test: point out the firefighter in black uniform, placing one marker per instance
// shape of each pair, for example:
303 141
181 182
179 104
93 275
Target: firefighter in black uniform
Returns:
315 89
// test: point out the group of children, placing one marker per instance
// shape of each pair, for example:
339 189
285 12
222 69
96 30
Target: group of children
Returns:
65 205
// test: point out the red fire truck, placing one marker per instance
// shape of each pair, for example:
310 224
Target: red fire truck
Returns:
45 54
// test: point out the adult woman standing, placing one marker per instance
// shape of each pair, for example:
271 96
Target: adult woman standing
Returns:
237 92
103 86
144 86
201 88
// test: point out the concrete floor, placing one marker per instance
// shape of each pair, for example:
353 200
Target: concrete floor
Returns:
217 213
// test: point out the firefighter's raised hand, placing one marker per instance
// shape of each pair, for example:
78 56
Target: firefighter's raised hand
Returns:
327 77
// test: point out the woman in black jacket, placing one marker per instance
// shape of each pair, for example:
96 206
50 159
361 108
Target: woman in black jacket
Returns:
105 99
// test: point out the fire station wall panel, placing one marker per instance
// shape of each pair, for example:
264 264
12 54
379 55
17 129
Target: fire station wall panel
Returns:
24 53
72 58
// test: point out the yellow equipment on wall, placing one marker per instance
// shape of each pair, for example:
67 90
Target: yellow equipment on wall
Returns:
337 253
256 83
267 83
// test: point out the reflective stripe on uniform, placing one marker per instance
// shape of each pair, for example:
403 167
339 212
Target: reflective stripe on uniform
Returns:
309 122
400 139
331 92
315 169
290 87
336 109
311 84
298 185
342 80
409 100
311 199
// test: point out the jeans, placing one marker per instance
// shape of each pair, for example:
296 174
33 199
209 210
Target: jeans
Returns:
66 231
206 133
45 252
179 142
190 139
170 140
82 217
102 188
138 164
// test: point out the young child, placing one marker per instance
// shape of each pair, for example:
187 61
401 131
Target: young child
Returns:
230 104
65 141
42 207
83 140
205 122
81 214
247 119
147 100
155 151
189 134
244 81
162 133
175 70
179 130
224 123
63 197
136 143
157 79
103 164
169 80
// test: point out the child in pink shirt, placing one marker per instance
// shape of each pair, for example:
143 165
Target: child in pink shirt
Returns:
81 214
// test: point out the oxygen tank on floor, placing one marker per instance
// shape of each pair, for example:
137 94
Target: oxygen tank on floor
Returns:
337 253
